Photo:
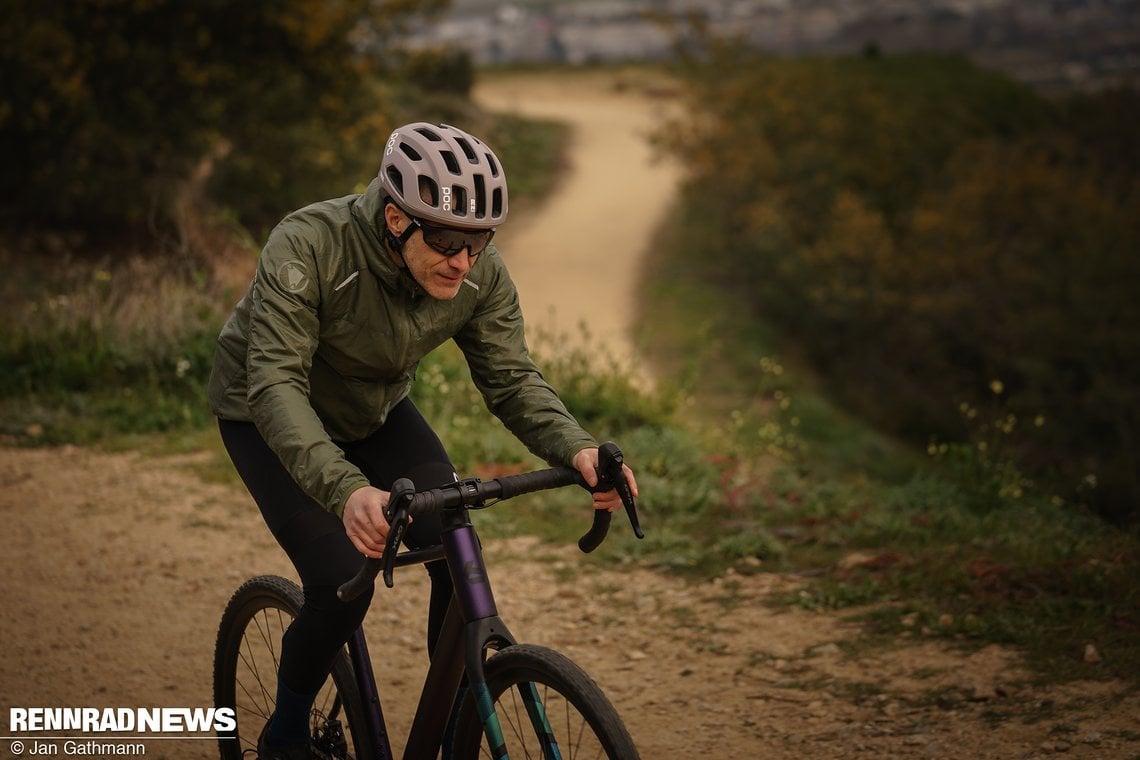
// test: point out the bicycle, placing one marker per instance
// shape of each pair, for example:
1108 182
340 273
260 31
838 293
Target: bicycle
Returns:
504 699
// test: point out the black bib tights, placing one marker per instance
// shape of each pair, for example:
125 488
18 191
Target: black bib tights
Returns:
317 544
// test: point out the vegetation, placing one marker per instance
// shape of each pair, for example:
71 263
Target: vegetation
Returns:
918 545
822 299
97 349
902 240
933 240
114 112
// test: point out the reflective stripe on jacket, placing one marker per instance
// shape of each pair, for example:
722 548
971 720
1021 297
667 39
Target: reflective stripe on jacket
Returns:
328 338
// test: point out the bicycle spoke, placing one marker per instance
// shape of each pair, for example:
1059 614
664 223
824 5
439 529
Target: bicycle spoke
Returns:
248 659
265 641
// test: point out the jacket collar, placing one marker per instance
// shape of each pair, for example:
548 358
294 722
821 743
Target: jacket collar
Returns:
368 211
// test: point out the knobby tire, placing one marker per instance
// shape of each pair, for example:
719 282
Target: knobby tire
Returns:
246 658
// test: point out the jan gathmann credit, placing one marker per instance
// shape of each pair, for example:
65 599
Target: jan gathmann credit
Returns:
74 748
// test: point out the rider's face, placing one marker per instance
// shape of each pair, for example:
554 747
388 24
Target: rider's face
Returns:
440 276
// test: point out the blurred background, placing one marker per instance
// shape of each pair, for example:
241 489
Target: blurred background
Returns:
1052 46
892 303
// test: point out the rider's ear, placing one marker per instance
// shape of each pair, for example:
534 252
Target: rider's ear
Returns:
394 218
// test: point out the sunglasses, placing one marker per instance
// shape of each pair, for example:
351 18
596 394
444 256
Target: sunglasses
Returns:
450 241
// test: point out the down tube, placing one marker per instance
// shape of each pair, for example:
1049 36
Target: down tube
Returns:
482 624
440 685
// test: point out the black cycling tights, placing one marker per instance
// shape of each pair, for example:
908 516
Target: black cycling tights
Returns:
316 542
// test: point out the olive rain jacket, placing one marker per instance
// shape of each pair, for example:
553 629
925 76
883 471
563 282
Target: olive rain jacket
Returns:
328 338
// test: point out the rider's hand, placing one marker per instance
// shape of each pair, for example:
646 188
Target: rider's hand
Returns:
364 520
586 462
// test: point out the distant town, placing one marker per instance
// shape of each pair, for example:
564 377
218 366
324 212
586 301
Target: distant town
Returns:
1050 44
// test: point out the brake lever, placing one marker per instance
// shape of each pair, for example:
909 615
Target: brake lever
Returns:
400 498
610 476
611 458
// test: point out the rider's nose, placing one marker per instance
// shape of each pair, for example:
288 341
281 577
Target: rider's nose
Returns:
461 261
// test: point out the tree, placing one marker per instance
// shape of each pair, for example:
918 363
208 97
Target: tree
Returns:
110 105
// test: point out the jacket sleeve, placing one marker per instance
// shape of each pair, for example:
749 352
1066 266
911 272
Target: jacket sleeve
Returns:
494 343
284 330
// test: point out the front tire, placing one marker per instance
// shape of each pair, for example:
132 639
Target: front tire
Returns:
573 710
246 657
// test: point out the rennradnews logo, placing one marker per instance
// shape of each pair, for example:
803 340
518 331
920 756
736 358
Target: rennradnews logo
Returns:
111 720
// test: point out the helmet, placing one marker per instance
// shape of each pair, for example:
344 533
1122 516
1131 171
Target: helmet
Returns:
441 174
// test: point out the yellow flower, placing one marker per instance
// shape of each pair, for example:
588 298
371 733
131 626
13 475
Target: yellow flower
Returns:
997 386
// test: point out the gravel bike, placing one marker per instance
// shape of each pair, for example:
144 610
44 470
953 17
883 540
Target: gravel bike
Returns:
484 695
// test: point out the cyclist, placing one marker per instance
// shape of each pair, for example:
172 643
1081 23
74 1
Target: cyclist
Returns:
313 368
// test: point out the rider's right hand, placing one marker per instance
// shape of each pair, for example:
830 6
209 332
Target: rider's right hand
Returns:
364 520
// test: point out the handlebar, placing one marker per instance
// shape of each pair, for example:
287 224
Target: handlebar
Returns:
406 502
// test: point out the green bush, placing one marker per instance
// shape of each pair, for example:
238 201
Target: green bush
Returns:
110 349
918 229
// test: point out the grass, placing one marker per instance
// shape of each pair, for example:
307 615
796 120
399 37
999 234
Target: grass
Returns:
97 349
913 545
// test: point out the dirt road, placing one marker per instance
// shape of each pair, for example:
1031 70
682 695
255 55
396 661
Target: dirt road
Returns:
116 568
577 261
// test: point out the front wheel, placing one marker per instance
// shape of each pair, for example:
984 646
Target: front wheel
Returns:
547 707
246 657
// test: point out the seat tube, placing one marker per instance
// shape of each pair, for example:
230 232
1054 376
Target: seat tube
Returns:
469 574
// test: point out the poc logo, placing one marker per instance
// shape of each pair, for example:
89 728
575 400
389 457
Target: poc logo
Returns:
445 201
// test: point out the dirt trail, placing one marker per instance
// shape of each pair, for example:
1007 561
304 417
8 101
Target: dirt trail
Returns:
577 260
117 566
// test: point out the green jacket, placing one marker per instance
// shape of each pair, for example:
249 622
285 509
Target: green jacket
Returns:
328 338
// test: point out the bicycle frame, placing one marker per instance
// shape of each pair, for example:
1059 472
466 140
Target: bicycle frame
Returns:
448 717
471 626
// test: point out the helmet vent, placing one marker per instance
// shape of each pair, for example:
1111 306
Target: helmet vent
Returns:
429 191
467 150
450 161
497 202
397 180
493 164
459 199
430 134
480 196
410 152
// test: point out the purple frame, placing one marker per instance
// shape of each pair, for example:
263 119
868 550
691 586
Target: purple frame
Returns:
471 625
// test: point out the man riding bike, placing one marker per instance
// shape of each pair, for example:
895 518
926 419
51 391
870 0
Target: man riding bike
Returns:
313 368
